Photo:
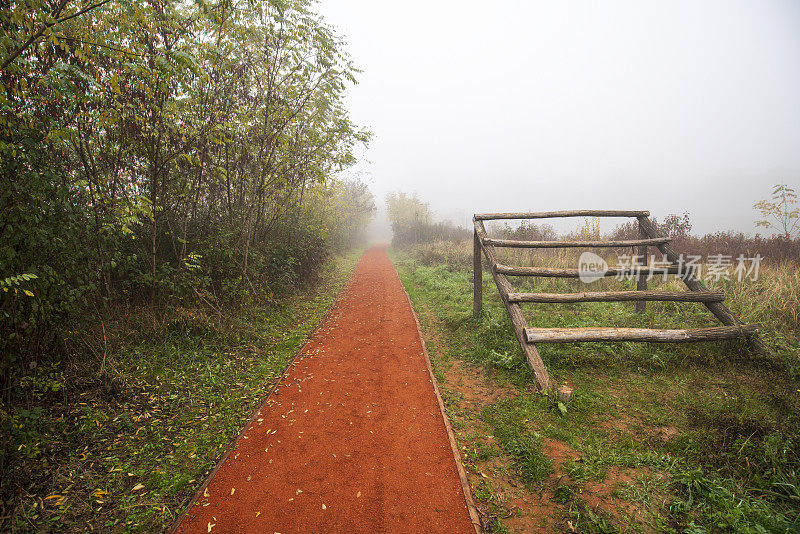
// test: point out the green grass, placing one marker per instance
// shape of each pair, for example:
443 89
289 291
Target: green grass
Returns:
712 430
125 449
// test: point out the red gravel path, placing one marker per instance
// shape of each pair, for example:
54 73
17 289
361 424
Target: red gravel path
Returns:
353 438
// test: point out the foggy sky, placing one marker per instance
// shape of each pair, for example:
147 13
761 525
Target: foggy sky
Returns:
506 105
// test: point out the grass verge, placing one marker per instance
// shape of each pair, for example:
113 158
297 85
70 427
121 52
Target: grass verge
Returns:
124 446
659 438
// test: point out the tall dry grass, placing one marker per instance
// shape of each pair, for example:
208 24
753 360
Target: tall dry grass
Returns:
771 300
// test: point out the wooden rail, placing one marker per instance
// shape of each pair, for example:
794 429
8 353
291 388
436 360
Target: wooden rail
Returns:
546 272
512 243
719 310
555 214
571 335
648 236
619 296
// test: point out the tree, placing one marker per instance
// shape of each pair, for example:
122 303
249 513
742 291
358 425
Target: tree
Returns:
782 213
675 226
407 210
151 148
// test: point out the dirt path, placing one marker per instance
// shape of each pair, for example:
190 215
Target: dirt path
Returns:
353 439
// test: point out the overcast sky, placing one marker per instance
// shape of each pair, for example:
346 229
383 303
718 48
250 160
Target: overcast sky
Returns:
509 105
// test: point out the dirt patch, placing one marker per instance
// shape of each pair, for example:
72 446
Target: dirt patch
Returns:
603 497
475 389
560 453
501 494
621 423
666 433
517 508
625 424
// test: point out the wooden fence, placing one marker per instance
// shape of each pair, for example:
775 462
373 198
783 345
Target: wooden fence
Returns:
648 236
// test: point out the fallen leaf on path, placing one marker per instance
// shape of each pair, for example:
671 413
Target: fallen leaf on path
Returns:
324 507
211 525
137 487
232 490
358 494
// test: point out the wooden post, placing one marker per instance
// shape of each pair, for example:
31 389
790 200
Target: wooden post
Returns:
477 276
641 281
532 355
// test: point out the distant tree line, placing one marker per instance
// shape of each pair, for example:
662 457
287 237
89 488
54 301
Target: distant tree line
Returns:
413 222
774 249
156 151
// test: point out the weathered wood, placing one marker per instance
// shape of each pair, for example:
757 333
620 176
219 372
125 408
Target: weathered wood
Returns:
571 335
553 214
619 296
565 394
719 310
641 281
532 355
547 272
477 276
574 244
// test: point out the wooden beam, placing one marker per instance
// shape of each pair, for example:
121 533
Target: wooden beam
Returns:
532 355
553 214
574 244
571 335
719 310
548 272
618 296
477 276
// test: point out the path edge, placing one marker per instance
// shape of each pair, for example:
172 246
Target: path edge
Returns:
232 446
462 473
